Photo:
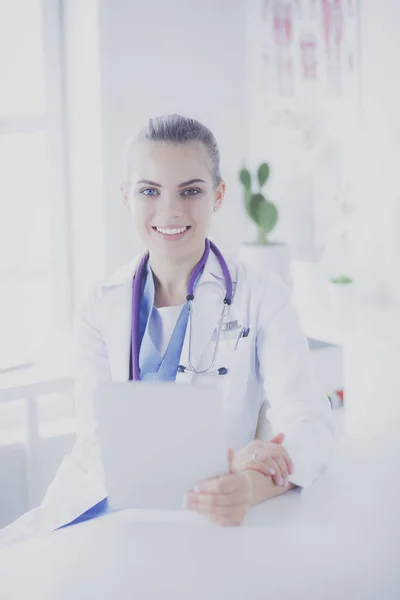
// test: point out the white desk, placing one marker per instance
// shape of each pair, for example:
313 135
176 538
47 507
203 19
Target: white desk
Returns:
336 540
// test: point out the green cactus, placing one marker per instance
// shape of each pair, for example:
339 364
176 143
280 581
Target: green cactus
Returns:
260 210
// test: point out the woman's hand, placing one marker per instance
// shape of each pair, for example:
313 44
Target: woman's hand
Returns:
269 458
225 500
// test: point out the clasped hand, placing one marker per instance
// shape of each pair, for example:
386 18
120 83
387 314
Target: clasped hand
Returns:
225 500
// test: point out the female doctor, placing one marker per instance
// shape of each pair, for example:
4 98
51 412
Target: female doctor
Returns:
182 311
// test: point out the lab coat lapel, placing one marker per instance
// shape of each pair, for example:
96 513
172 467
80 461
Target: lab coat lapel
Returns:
206 313
207 307
117 319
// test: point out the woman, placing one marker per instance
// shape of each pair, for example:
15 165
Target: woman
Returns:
172 187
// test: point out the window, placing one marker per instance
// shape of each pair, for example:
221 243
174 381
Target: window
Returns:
34 283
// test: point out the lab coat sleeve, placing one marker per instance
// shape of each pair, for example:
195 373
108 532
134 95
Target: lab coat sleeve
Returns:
80 476
79 482
295 404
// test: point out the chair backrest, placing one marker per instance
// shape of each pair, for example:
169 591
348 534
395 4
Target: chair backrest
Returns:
37 428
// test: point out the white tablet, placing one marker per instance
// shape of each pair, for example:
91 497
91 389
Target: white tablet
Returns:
158 440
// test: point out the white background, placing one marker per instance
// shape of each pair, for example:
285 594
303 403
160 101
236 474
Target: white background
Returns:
127 60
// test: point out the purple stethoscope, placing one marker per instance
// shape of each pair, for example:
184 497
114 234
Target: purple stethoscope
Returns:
136 294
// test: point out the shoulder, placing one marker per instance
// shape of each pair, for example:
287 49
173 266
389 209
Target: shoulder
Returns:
94 292
262 289
120 276
268 300
265 285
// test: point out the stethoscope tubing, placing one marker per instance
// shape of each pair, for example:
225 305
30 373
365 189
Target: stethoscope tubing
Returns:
136 295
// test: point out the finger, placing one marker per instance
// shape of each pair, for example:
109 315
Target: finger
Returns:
283 470
245 454
221 512
283 453
264 464
276 476
231 458
280 465
225 518
226 484
278 439
270 461
259 466
231 521
216 511
212 501
289 462
252 448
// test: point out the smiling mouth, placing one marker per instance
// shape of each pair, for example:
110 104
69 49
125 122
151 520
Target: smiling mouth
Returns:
171 230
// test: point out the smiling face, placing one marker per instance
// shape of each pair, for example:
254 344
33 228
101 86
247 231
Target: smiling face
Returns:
171 197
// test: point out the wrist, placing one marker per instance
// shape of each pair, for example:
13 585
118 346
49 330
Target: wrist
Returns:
262 487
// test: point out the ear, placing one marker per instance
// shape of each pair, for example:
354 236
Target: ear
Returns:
219 195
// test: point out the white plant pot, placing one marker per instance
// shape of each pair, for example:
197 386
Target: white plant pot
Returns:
310 289
342 302
274 256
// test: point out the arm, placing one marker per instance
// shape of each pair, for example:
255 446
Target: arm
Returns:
225 500
80 476
263 488
295 405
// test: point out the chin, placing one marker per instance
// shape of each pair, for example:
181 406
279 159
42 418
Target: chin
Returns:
176 250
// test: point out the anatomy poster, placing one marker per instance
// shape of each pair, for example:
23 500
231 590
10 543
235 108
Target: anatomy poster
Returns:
303 104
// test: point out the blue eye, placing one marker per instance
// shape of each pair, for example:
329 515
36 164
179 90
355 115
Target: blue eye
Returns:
149 191
191 192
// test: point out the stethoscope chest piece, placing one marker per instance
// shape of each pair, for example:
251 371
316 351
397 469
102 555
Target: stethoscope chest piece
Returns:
220 371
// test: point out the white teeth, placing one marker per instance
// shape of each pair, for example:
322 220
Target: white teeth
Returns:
171 231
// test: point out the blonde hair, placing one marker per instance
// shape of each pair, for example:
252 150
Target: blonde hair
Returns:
175 129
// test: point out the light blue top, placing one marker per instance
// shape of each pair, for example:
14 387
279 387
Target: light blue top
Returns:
152 365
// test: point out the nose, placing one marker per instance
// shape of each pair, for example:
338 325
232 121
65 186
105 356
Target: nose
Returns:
170 205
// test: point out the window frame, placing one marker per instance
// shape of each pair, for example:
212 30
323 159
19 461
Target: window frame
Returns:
53 124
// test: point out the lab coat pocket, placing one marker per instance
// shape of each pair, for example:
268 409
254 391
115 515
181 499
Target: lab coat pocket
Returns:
235 358
240 365
228 334
244 357
233 353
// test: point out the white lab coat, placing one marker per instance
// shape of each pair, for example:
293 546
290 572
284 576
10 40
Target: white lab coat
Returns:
269 387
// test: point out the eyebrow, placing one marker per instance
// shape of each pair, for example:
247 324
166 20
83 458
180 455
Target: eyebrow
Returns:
148 182
190 182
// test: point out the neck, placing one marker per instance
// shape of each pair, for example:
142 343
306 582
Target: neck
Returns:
171 278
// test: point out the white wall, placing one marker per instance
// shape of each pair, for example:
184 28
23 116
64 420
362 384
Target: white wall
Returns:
124 65
84 142
378 241
180 56
373 161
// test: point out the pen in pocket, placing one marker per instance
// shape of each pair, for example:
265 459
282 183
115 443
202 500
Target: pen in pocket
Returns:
244 332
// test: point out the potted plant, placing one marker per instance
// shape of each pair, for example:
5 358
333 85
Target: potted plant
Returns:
341 295
263 253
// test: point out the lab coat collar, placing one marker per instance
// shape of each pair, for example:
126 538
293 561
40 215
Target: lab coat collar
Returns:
206 312
212 272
